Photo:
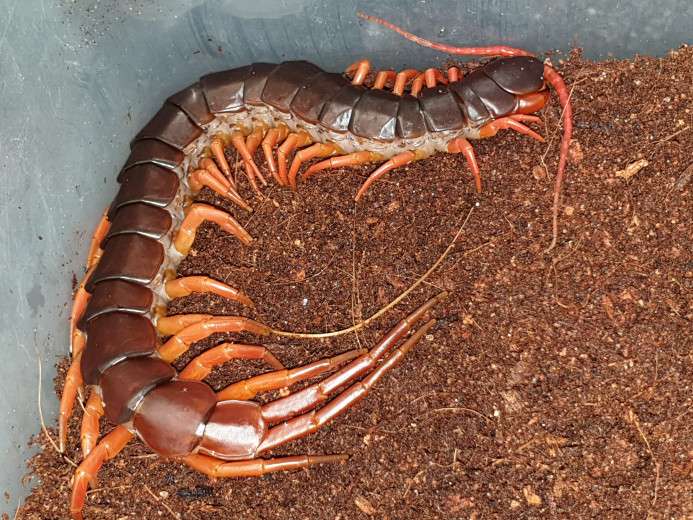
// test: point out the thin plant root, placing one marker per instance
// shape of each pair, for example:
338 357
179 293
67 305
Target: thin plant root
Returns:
362 324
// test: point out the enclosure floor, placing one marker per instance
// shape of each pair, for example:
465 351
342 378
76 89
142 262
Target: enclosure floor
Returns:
554 385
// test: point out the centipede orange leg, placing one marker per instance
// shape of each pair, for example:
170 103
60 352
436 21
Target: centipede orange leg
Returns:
109 447
196 215
202 365
180 287
249 388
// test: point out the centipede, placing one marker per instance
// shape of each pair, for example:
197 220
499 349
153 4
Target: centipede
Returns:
121 342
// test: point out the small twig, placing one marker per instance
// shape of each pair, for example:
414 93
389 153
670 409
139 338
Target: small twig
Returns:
305 280
680 416
454 409
452 464
174 515
412 481
469 252
555 283
255 212
19 503
634 418
671 136
122 487
354 278
382 311
428 395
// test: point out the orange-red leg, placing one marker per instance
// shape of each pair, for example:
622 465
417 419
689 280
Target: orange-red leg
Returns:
73 386
252 170
95 250
218 145
382 78
202 365
317 150
93 411
207 163
78 305
275 135
395 162
525 117
343 161
108 448
431 77
313 420
181 341
251 143
247 389
464 147
180 287
196 215
401 80
297 140
505 123
312 395
252 468
202 177
360 69
454 74
169 325
417 85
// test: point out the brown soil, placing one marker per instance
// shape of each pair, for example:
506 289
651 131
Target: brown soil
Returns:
555 385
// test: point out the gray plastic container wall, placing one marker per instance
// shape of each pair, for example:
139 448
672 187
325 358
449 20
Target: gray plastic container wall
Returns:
79 78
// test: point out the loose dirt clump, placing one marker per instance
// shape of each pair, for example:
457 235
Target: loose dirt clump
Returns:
554 385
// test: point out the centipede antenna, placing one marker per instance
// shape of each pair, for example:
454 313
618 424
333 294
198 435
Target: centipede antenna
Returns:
498 50
559 85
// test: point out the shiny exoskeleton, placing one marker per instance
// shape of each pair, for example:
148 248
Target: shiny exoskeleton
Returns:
116 321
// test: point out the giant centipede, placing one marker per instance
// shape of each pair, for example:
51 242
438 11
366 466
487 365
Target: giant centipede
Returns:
117 326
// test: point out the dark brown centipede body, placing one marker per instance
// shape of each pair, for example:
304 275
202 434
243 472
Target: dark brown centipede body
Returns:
116 327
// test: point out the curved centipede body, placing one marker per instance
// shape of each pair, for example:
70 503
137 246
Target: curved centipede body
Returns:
117 323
